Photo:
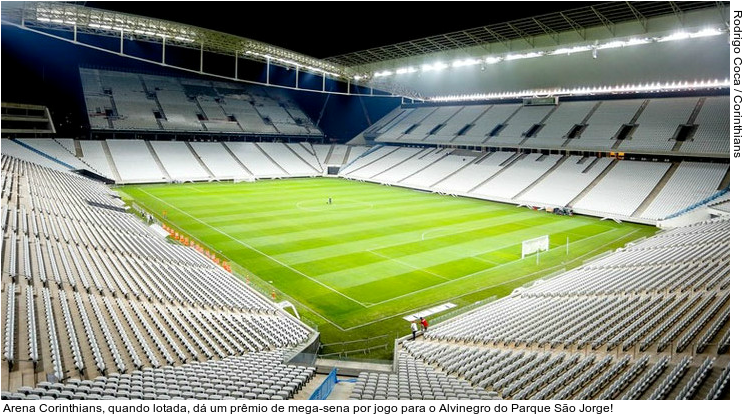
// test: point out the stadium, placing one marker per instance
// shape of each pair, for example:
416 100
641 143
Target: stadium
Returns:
530 207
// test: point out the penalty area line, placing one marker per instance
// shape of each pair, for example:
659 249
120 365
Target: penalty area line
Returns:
495 267
255 249
407 265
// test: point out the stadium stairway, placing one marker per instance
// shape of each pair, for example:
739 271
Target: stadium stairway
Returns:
655 192
583 123
475 161
43 154
540 127
311 150
592 184
419 155
506 164
328 156
346 156
158 162
726 180
310 387
110 159
235 157
273 161
441 157
384 153
541 178
78 149
307 163
198 158
347 163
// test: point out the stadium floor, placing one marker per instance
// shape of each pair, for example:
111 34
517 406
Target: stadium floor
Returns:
356 265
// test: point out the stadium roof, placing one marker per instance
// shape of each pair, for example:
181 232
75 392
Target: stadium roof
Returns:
576 20
69 17
586 23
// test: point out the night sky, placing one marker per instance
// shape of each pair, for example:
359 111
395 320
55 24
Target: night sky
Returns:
324 29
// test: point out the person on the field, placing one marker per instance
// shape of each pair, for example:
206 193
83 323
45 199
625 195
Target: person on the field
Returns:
330 200
414 329
424 324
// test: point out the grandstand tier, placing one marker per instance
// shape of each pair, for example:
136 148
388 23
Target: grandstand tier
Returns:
684 126
93 295
121 101
646 322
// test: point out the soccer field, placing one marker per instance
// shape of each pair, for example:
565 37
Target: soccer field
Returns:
356 266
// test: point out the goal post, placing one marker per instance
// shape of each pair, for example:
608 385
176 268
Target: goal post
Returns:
535 244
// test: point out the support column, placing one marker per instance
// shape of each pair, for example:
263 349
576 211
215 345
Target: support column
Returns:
268 69
201 58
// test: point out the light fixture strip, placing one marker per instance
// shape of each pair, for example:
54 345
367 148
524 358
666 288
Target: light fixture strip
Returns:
586 91
467 62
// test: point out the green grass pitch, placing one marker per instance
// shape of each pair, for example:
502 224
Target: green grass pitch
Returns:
355 267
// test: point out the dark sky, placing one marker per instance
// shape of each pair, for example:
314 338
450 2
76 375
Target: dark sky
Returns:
324 29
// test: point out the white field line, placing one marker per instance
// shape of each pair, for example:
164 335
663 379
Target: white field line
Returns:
406 264
488 287
369 305
484 260
254 249
295 300
484 271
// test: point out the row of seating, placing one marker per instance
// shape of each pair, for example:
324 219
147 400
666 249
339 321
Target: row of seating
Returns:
725 343
683 323
691 387
564 377
10 320
720 384
521 384
89 334
647 379
138 301
110 342
679 298
649 321
414 380
625 379
590 391
584 125
255 376
140 338
699 324
56 353
172 327
582 379
660 328
560 366
671 379
71 333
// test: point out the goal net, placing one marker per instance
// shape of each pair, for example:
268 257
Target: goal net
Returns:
244 179
535 244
